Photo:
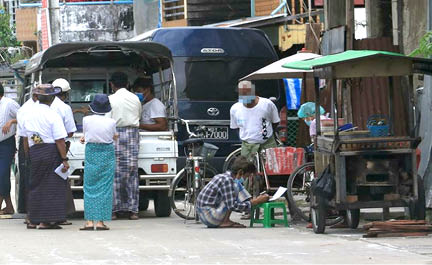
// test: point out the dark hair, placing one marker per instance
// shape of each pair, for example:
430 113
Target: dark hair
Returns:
119 79
45 99
1 90
143 82
242 163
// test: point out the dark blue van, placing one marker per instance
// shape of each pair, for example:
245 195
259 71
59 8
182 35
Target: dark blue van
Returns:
208 62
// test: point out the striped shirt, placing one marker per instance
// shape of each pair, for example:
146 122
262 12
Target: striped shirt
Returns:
8 111
222 189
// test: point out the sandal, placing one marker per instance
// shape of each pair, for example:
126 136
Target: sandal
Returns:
86 228
49 227
102 228
64 223
31 226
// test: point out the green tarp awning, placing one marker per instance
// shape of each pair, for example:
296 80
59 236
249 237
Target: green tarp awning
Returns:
336 58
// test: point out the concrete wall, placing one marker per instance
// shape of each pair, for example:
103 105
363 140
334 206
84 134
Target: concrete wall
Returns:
414 23
146 15
96 22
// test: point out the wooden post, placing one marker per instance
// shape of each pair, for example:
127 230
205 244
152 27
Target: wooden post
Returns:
349 24
411 114
391 110
334 13
317 107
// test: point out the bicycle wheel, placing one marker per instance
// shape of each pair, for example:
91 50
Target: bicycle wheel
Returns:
182 196
298 194
298 189
229 160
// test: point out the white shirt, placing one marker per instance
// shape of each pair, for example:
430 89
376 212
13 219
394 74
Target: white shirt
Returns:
99 129
22 114
65 112
255 123
43 123
8 111
126 108
151 110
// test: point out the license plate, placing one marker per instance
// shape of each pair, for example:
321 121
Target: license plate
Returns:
215 132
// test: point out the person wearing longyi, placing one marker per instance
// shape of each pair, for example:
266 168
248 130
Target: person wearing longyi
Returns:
126 111
8 114
44 139
65 112
99 166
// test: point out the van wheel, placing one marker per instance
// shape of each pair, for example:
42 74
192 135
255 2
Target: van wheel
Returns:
162 204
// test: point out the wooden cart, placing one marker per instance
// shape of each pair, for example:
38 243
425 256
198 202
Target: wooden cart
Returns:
370 172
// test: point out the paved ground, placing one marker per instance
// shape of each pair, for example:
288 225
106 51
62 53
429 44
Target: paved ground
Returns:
171 240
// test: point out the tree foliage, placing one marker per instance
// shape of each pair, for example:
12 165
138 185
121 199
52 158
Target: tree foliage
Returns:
425 46
7 38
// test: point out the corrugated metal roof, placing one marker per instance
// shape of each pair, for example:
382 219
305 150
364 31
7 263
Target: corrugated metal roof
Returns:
370 95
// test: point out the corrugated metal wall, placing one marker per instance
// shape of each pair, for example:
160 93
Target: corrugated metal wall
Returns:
370 95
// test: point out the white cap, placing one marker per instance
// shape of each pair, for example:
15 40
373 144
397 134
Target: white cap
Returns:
62 83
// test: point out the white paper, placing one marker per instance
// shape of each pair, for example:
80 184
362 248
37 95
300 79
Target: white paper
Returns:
278 193
59 172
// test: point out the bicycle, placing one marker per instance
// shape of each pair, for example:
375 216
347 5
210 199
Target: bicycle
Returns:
298 190
298 184
190 180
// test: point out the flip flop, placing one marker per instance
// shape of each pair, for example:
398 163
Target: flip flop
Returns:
102 228
64 223
30 226
49 227
86 228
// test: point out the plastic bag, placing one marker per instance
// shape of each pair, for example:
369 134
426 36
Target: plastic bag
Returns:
324 185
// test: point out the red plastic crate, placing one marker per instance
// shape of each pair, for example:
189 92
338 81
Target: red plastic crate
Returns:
283 160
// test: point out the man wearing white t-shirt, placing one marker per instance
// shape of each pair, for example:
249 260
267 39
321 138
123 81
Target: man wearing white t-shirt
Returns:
256 118
153 116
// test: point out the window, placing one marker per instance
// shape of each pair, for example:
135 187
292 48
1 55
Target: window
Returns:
85 90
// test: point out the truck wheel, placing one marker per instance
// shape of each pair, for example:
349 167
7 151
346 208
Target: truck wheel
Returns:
143 203
318 214
353 218
162 204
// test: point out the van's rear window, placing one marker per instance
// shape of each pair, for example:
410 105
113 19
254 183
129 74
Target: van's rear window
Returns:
231 42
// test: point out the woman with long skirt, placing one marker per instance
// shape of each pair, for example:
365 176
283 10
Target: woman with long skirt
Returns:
99 166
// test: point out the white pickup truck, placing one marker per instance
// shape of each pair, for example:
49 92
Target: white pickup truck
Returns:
87 67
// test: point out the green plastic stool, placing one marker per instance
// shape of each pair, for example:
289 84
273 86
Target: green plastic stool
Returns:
269 219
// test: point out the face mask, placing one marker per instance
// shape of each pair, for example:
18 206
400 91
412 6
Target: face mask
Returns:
308 123
140 96
246 99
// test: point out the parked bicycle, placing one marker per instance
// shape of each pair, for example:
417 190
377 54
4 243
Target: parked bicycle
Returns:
298 183
194 176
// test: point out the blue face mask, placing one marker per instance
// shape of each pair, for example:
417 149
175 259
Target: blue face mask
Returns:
308 123
246 99
140 96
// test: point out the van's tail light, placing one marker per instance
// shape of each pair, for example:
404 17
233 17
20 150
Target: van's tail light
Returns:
159 168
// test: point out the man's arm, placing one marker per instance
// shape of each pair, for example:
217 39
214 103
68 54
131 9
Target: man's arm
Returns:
8 125
61 147
160 125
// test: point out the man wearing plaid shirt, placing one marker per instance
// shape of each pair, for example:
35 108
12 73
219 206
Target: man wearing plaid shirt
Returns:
222 195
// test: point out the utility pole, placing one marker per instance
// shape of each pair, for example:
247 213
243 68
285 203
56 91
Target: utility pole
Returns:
54 19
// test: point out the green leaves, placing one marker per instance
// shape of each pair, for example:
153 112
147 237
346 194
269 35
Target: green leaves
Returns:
425 46
7 38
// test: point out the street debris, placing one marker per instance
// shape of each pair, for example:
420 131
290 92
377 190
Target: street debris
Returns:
397 228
